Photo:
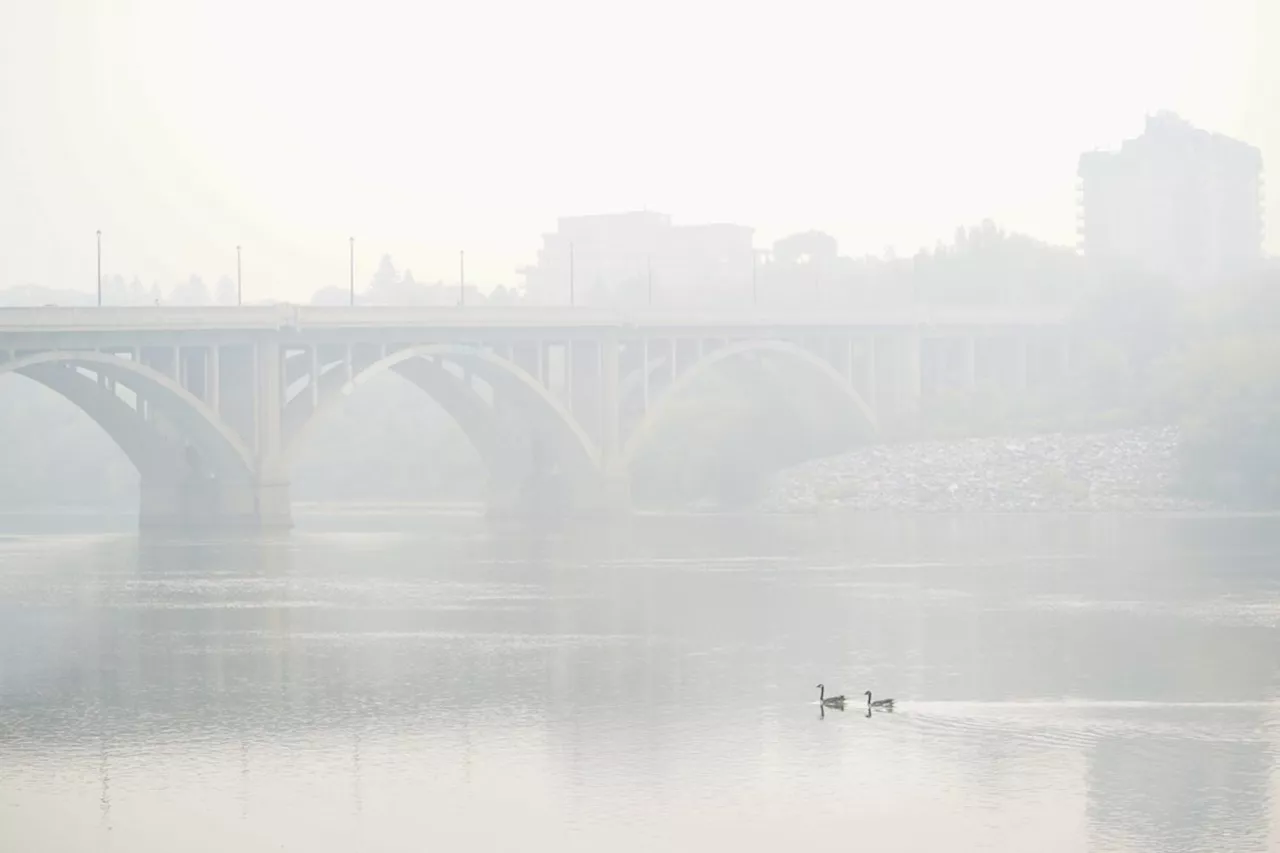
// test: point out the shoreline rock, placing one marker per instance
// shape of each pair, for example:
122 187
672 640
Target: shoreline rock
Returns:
1116 471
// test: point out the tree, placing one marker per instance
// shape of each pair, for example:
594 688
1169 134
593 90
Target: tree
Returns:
987 265
331 296
1227 391
1230 447
225 291
114 290
384 281
500 295
194 292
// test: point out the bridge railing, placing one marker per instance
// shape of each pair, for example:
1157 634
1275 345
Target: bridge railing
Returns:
143 318
285 316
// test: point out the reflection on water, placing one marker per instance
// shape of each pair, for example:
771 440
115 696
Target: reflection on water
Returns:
400 683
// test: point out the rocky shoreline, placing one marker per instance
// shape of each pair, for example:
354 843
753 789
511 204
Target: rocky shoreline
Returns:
1116 471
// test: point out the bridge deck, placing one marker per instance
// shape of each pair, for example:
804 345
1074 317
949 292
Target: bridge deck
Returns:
54 320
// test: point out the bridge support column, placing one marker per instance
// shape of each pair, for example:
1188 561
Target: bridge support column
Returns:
212 378
609 402
270 399
615 487
909 379
1018 363
968 362
867 386
271 493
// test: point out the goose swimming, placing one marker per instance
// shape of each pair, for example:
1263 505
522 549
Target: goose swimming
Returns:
830 702
879 704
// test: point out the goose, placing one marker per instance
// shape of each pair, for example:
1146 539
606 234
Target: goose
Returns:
886 704
831 702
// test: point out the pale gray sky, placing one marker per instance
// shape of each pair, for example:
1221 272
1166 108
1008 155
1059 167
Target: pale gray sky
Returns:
183 128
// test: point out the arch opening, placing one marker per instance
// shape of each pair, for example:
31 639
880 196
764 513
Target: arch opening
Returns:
56 456
388 444
736 417
527 443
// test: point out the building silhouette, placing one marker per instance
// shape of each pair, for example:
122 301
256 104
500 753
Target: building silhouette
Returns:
627 258
1177 202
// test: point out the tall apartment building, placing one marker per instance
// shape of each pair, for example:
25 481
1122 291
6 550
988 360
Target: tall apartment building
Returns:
1177 201
616 257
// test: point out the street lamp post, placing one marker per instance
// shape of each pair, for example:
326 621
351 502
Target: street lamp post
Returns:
571 294
99 268
353 271
462 276
239 286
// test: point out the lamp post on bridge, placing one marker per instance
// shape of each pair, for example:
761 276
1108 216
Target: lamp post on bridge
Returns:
353 271
99 268
462 276
571 294
239 288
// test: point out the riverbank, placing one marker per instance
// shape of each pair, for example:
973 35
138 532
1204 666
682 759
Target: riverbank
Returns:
1116 471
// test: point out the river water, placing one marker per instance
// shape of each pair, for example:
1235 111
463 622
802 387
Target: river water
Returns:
397 682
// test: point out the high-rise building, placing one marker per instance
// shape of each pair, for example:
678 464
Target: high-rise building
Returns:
1177 201
620 258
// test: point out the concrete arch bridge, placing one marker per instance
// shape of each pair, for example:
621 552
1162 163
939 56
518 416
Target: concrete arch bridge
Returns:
211 404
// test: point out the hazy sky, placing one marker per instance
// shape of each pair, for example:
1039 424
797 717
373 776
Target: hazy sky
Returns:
183 128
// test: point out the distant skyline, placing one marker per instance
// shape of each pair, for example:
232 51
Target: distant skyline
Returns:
184 129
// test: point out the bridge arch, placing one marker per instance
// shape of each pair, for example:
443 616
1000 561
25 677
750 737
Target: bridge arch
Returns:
481 420
844 395
196 423
195 470
141 442
632 384
116 417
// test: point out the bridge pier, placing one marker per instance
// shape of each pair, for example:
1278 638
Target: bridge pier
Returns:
607 495
199 502
274 505
610 497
